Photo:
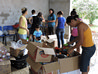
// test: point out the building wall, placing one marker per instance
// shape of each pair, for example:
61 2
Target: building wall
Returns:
60 5
10 10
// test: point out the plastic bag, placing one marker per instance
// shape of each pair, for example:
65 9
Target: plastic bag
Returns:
17 44
25 52
1 33
5 32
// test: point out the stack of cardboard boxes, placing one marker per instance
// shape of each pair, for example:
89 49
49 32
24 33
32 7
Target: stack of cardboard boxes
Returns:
5 65
45 63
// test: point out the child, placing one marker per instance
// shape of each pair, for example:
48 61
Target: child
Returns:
37 34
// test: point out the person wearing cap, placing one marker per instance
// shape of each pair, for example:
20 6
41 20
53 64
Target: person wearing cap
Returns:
23 30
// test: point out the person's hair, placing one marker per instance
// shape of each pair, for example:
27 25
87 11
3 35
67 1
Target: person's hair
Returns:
60 13
69 18
33 11
39 14
73 12
23 10
37 26
52 11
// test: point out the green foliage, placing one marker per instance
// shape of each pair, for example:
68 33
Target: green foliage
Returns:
87 9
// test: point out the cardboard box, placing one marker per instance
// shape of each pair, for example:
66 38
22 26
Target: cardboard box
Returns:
36 53
52 44
37 68
11 31
20 71
67 32
5 67
18 51
69 64
24 41
66 36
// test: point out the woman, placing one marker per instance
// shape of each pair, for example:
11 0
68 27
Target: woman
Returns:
23 30
51 22
85 40
60 29
36 21
74 31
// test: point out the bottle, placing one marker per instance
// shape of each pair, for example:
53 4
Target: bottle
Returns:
27 38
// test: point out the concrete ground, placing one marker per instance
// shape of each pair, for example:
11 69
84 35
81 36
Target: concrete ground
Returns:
94 67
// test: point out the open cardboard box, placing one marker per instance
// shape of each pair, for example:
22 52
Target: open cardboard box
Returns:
16 52
24 41
38 68
37 53
70 63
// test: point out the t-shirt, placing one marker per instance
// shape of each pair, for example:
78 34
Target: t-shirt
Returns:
61 22
75 30
37 34
50 18
33 15
36 21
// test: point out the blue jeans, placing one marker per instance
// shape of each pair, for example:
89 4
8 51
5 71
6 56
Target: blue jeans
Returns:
60 36
23 36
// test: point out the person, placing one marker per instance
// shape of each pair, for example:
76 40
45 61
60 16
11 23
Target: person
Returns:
36 21
51 22
23 30
37 34
74 31
60 29
85 40
33 14
29 20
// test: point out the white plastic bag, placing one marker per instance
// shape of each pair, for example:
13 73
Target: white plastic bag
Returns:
17 44
25 52
1 33
5 32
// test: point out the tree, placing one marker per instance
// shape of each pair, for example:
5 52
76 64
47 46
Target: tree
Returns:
87 9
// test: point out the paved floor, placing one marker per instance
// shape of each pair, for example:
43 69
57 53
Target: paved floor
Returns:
94 68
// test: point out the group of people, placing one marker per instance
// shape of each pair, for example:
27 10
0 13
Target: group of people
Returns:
80 32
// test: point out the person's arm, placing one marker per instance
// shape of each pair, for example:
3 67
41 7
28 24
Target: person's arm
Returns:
43 20
30 20
66 24
54 19
80 38
56 22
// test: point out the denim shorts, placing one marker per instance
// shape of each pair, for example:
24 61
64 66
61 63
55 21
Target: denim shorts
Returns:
22 36
86 55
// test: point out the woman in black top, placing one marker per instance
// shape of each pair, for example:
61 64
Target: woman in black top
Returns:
36 21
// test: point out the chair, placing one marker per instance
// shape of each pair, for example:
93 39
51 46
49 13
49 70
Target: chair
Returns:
2 36
6 35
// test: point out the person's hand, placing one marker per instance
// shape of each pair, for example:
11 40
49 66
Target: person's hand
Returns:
69 43
70 50
47 21
27 31
36 39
